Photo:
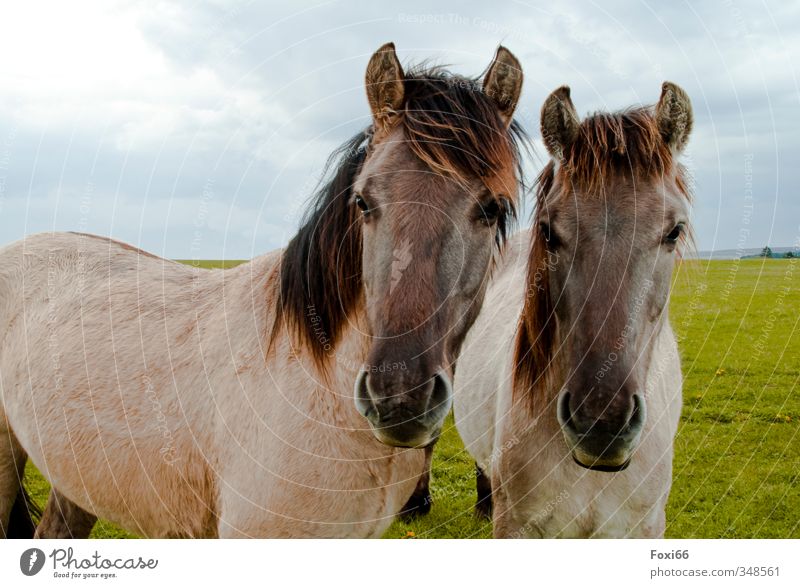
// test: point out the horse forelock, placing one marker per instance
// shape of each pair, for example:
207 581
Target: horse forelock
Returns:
612 144
456 129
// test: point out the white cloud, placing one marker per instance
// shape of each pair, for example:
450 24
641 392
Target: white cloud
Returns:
148 101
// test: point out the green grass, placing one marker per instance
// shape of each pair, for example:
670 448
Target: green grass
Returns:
212 263
737 462
453 493
737 453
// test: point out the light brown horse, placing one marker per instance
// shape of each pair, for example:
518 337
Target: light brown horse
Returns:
289 396
568 391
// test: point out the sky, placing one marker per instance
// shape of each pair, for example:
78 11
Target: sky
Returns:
199 131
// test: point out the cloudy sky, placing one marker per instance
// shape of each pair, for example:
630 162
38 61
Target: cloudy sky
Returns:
199 131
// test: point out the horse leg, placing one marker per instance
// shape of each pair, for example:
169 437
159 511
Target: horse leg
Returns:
420 502
483 507
504 526
16 507
654 524
63 519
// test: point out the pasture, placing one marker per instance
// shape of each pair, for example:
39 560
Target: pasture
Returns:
737 463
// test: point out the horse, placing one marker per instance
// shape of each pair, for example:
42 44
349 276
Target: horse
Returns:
568 388
286 397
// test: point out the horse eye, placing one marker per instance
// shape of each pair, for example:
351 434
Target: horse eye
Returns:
490 212
673 236
549 236
362 204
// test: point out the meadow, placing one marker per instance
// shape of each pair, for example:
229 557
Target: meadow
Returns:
737 455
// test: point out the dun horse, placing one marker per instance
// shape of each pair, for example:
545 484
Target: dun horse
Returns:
286 397
568 390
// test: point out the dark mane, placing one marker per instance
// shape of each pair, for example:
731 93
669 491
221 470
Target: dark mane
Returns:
453 127
609 145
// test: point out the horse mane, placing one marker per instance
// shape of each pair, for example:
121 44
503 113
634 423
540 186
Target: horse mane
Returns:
626 143
452 126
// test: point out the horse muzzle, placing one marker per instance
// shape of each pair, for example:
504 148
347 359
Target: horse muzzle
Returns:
601 448
405 418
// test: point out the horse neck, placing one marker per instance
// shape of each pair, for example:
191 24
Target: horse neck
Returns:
349 354
331 376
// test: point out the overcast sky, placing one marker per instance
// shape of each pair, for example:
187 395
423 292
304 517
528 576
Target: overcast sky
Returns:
199 131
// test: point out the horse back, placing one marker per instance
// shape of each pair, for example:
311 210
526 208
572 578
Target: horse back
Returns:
103 358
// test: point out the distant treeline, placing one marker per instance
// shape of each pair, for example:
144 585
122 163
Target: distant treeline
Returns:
768 252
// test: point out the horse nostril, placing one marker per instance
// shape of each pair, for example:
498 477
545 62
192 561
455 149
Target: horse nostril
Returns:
364 402
390 401
564 413
441 394
403 413
639 414
579 424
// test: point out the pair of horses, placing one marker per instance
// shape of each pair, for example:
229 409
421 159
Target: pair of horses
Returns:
291 396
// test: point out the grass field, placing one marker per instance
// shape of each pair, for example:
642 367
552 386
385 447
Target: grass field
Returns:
737 458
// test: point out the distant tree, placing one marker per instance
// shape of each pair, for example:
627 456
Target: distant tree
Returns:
789 254
766 252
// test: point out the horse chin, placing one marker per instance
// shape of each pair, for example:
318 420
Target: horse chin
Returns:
601 466
418 442
613 459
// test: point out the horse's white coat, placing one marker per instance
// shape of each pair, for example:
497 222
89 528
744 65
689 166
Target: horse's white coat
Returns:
143 391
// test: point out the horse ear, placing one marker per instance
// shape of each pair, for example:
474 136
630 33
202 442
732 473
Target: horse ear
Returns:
384 81
503 82
674 116
560 123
